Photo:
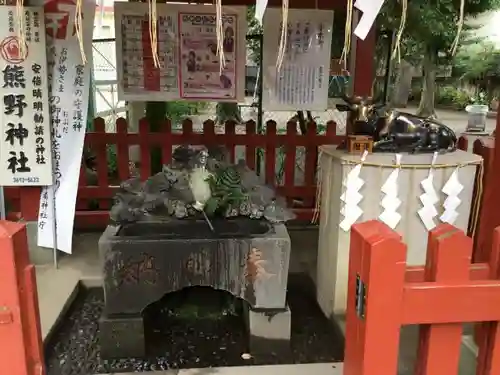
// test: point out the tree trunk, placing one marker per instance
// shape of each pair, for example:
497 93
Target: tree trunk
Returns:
156 112
426 107
228 112
402 86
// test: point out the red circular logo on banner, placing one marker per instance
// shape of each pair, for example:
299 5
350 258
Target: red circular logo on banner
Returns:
10 48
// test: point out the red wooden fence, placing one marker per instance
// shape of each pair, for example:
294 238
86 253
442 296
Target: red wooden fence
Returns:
384 294
20 334
481 227
94 201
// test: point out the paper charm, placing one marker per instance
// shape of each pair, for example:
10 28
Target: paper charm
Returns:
429 198
351 196
452 189
370 9
390 203
260 9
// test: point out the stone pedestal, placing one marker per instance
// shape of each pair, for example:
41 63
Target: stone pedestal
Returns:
269 331
145 260
333 249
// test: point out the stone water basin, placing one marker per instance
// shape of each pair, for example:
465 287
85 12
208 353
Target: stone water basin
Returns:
143 261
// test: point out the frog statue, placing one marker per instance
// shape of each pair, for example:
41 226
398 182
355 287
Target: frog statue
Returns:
396 131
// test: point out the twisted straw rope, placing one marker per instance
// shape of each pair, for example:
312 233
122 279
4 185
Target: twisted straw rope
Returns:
397 44
79 29
460 25
475 206
284 35
347 34
219 29
20 30
153 34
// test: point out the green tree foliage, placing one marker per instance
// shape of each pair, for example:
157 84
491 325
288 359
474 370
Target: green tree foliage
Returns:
431 27
478 62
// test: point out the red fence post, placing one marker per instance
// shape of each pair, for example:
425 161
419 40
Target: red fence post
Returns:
487 335
377 267
20 334
449 253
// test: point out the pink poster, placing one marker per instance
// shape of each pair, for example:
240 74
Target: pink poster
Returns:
200 76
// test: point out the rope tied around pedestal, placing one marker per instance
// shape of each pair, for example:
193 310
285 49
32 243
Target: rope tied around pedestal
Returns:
478 183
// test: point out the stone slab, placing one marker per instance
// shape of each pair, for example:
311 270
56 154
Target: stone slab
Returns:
38 255
269 331
140 270
57 289
295 369
122 336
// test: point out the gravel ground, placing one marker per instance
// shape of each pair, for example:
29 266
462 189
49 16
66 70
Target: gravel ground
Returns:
179 341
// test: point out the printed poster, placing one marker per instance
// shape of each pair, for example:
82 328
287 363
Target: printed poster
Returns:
69 87
25 149
138 79
187 49
200 73
302 81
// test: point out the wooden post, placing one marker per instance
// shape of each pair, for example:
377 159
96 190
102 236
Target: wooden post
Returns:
380 301
375 283
20 334
487 335
449 253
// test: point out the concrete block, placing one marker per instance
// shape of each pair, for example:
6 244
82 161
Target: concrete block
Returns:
122 336
269 331
39 256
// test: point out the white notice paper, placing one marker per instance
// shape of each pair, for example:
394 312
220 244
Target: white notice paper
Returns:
302 81
69 90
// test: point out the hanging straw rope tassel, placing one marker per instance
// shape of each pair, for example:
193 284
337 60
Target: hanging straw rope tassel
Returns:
284 36
153 34
397 44
347 34
460 23
79 29
219 29
20 30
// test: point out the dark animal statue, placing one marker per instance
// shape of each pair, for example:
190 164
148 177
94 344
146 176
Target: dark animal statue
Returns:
395 131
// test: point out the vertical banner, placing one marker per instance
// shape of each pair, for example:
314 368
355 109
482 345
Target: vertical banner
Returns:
68 103
25 155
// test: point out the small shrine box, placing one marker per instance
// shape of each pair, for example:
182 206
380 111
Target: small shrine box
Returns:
357 144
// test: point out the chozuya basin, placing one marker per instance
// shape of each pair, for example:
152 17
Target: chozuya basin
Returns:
195 229
143 261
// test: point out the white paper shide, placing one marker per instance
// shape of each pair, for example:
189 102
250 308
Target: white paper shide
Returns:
452 188
429 198
302 80
390 203
351 197
69 81
25 152
370 9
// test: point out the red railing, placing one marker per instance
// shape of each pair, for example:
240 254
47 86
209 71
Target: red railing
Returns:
486 184
95 197
384 294
20 333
